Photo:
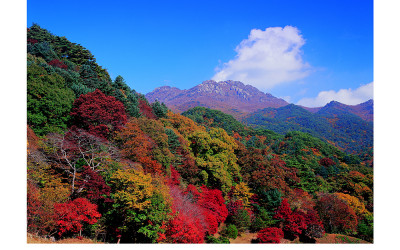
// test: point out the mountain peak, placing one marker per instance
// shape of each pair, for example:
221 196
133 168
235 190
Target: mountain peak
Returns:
233 97
208 82
364 110
163 94
164 88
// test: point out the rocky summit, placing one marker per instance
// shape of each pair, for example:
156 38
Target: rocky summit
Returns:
233 97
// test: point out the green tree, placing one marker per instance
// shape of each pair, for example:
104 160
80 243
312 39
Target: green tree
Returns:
39 34
44 50
173 140
241 219
119 83
230 231
159 109
49 101
127 96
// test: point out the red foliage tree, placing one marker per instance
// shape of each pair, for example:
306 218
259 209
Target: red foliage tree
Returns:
203 210
57 63
32 41
146 110
175 177
98 113
213 208
193 194
184 229
69 216
293 223
260 171
188 225
303 222
210 222
315 227
212 200
270 235
33 206
336 214
326 162
93 186
283 212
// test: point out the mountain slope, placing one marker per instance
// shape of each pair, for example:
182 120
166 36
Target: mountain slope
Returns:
231 97
216 119
363 110
141 174
339 127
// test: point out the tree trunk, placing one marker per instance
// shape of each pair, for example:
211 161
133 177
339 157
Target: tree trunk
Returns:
73 180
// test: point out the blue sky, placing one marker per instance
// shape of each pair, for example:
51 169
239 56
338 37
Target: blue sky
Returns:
328 53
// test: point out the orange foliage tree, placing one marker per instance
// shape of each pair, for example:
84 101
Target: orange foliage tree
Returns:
182 124
136 145
159 148
263 170
355 204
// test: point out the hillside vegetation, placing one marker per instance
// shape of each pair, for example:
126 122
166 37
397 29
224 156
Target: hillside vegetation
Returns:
105 165
335 126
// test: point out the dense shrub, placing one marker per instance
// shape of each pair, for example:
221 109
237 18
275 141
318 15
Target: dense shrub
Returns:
270 235
231 231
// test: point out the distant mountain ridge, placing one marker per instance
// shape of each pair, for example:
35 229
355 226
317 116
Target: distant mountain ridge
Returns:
332 123
232 97
363 110
238 99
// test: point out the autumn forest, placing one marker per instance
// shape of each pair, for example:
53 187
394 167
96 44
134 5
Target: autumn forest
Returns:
105 164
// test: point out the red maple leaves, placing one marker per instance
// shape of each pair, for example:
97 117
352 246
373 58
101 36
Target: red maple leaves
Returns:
270 235
94 186
197 214
98 113
69 216
58 63
296 223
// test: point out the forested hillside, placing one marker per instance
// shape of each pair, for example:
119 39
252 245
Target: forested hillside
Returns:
336 126
105 164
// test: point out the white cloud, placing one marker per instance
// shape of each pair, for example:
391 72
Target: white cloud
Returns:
267 58
346 96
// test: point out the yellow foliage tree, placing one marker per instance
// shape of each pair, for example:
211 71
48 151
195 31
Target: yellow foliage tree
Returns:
355 204
214 153
184 125
241 192
133 189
